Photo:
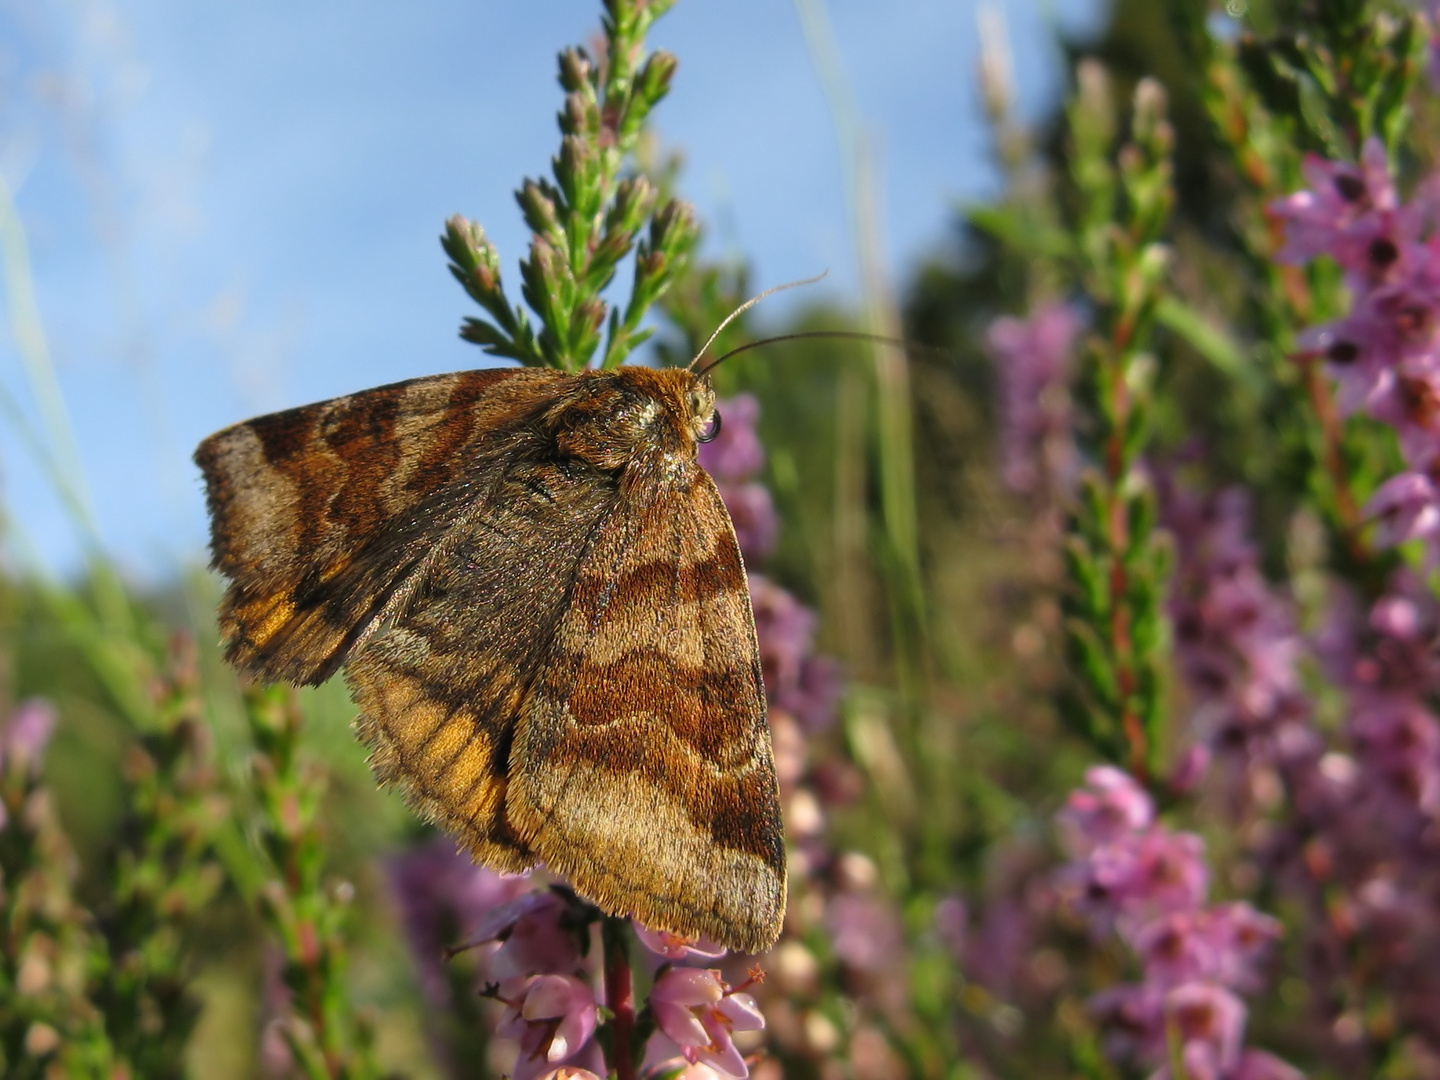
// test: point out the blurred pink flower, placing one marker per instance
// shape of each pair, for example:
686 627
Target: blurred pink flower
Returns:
865 931
736 453
785 628
442 897
1406 507
1139 877
752 512
1112 806
1222 944
1208 1022
1032 358
570 1072
26 735
1339 200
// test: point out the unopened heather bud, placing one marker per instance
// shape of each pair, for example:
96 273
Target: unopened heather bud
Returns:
673 230
539 208
1151 129
653 81
575 70
633 198
575 172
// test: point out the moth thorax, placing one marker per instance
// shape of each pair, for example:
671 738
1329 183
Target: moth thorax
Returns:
609 429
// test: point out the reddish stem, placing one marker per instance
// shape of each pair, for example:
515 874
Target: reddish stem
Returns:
1345 507
619 995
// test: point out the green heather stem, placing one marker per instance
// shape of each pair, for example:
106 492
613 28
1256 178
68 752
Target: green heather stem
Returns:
1117 567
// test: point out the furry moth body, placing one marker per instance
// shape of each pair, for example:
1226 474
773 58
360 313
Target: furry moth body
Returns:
538 601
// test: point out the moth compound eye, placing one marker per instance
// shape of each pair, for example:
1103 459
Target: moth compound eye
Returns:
712 431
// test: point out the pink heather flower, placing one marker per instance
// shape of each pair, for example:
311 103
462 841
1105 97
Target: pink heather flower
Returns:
736 453
1137 878
1356 356
1405 507
1339 198
570 1072
698 1012
1221 944
1383 247
1258 1065
675 947
785 628
1236 642
1241 936
442 897
1130 1016
815 695
553 1018
1394 649
753 514
1208 1022
539 935
1398 741
23 740
1161 871
1032 358
25 736
1114 806
1410 403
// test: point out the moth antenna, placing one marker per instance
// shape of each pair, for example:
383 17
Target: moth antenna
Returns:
746 306
854 335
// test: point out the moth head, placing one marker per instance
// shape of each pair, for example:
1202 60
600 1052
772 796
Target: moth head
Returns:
704 417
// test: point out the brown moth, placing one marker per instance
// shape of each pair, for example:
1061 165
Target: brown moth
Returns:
537 597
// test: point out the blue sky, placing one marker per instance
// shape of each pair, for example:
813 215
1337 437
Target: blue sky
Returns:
233 207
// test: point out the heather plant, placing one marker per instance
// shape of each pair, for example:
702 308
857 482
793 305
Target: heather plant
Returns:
1128 766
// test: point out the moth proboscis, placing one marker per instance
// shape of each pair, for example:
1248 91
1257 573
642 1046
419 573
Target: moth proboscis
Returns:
541 610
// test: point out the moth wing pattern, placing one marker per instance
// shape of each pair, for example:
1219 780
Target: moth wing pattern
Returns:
642 768
322 515
440 688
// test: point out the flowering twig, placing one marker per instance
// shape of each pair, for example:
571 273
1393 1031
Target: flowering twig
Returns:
165 874
1116 565
586 221
327 1039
